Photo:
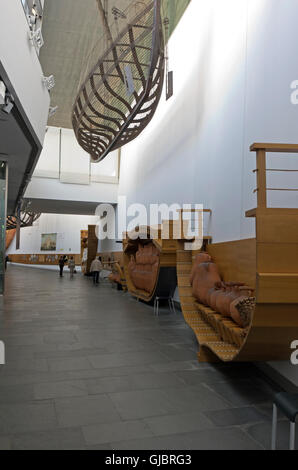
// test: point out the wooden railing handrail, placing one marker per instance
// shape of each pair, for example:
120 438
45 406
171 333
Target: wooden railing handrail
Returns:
261 170
274 148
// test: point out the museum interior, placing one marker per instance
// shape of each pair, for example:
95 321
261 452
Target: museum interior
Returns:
149 225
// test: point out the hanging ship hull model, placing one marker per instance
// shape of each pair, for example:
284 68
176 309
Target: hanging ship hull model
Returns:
121 93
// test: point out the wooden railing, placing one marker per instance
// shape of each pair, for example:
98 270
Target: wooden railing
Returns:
261 171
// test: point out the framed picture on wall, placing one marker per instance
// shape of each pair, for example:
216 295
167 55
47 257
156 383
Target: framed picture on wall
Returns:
49 242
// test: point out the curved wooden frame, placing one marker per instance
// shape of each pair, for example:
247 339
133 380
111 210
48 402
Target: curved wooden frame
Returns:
27 219
104 116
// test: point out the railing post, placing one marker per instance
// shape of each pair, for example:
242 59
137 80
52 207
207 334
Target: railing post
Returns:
261 178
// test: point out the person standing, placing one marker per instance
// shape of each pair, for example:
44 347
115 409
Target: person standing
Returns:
95 269
72 266
61 265
6 261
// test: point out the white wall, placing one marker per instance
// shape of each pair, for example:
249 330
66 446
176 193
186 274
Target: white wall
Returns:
67 227
62 158
22 65
64 172
53 189
233 63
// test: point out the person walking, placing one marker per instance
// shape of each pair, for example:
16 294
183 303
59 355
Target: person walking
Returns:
95 269
72 266
61 265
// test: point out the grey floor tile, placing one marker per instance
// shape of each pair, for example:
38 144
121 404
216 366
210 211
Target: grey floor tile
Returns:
99 447
15 393
241 392
64 337
31 378
195 398
25 366
62 353
126 359
22 340
212 375
199 376
5 443
109 372
124 346
236 416
69 364
59 439
209 439
115 432
73 412
141 404
157 381
110 385
75 388
178 354
176 366
148 381
15 418
178 423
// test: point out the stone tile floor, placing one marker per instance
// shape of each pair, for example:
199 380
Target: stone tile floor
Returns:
90 368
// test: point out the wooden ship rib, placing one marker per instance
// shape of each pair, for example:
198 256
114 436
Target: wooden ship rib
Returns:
268 263
26 219
121 92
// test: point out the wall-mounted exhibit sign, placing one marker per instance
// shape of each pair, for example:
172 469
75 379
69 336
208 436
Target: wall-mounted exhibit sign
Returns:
49 242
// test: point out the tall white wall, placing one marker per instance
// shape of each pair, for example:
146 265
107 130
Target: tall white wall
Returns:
233 64
53 189
67 227
64 172
22 66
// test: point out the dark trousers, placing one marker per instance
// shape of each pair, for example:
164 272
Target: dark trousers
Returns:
95 277
61 270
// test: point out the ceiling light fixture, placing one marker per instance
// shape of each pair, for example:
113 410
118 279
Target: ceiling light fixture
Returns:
53 110
9 104
36 38
32 19
6 104
49 82
2 93
37 9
